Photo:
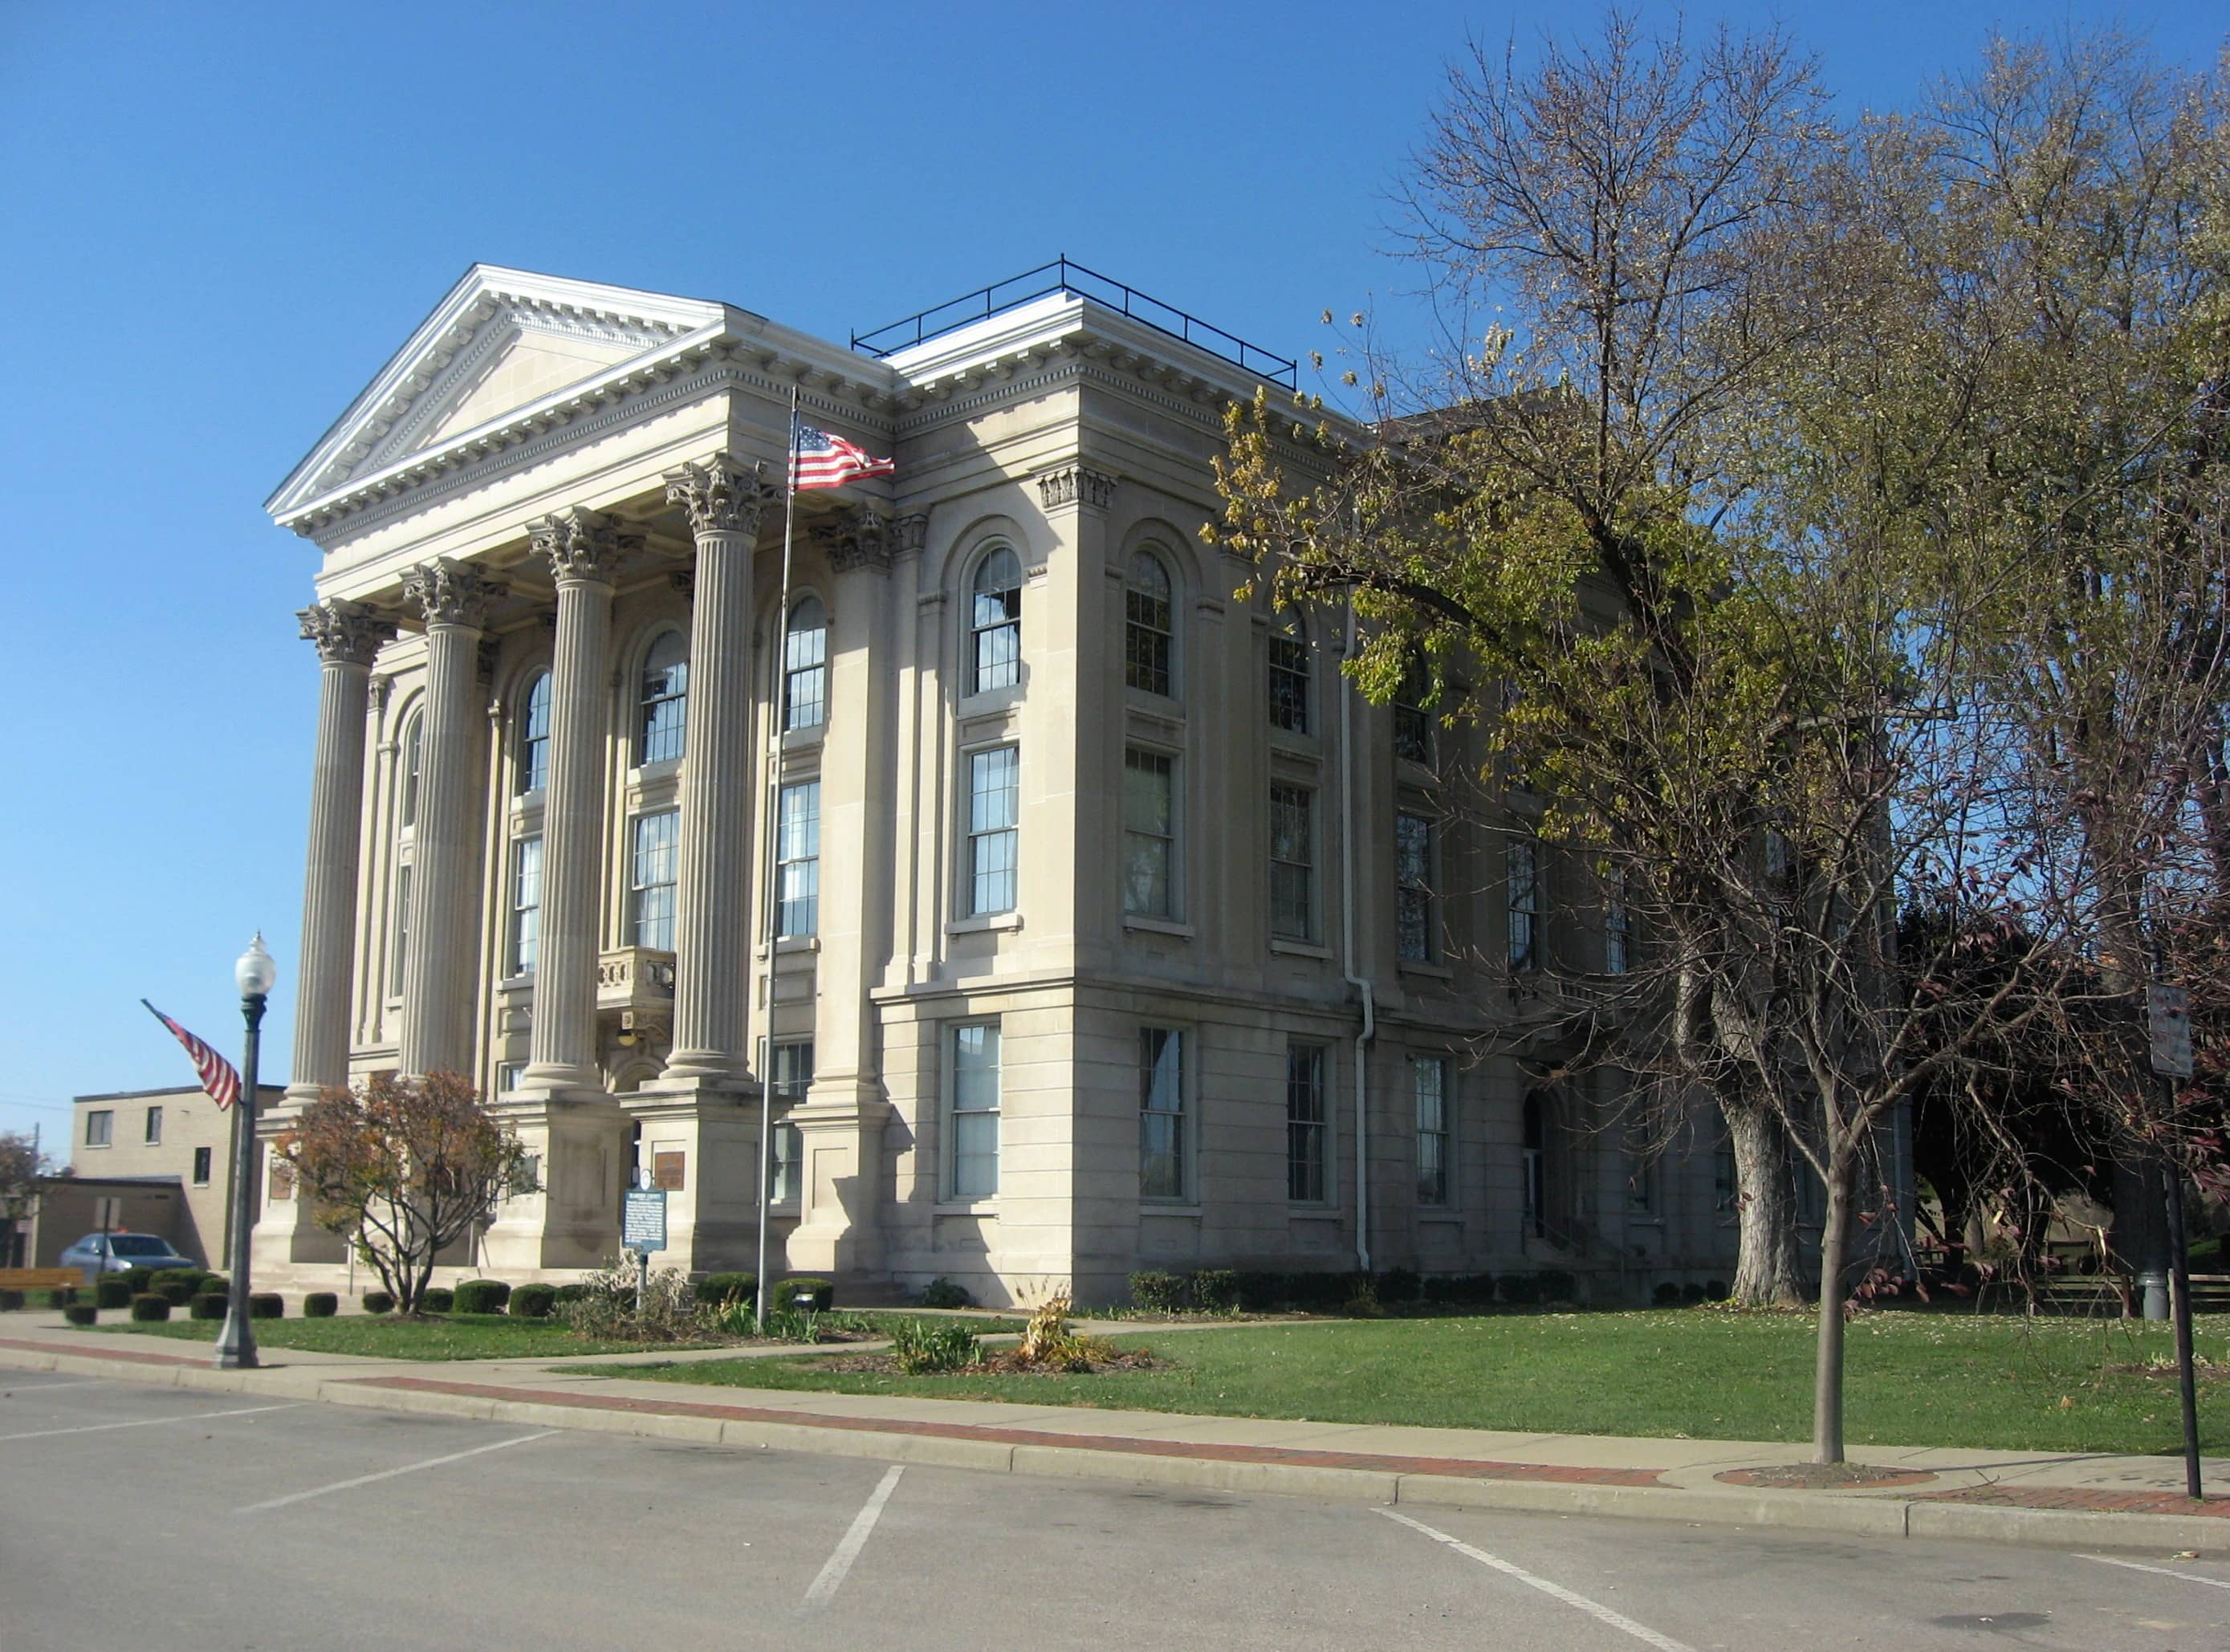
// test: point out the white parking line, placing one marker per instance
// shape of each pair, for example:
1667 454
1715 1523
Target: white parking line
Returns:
848 1547
388 1474
1593 1608
2165 1571
146 1422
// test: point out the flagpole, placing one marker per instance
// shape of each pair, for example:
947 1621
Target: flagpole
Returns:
773 816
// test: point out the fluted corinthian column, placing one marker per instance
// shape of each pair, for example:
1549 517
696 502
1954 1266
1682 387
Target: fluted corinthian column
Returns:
347 637
583 550
438 968
711 943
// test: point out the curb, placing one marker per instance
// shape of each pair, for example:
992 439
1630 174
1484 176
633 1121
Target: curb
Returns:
1853 1514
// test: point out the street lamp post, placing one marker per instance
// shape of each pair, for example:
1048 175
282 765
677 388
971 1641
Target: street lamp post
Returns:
255 972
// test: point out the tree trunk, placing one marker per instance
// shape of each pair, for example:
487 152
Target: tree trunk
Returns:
1827 1362
1768 1267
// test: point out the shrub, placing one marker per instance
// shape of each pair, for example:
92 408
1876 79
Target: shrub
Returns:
1667 1294
139 1279
573 1293
209 1305
438 1299
1160 1293
190 1277
941 1293
786 1293
176 1292
716 1289
922 1348
61 1296
1258 1292
10 1299
1556 1286
379 1301
482 1296
1216 1290
533 1301
216 1282
151 1305
1399 1284
1692 1293
112 1290
1326 1292
266 1305
605 1306
320 1305
79 1313
1715 1290
1521 1290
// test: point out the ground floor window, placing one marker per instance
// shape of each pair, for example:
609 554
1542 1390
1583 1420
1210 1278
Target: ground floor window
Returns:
790 1077
1160 1113
1307 1128
974 1112
1431 1077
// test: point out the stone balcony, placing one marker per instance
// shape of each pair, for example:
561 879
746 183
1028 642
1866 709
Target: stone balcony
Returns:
634 977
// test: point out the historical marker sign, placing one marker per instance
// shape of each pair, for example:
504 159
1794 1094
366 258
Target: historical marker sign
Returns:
643 1220
2167 1016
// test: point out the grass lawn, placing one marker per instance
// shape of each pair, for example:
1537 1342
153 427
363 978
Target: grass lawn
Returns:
1914 1378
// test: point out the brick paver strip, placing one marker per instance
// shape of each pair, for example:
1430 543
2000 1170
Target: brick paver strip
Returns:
1465 1466
2084 1499
132 1356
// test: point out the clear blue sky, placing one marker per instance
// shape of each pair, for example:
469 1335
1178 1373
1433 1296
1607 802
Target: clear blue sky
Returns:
216 220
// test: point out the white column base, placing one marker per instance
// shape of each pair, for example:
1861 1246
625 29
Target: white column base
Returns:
573 1221
712 1220
839 1127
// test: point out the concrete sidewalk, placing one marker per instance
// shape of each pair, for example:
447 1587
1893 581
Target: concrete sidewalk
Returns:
2055 1499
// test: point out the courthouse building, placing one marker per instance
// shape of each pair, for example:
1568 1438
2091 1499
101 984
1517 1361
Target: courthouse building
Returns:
1063 908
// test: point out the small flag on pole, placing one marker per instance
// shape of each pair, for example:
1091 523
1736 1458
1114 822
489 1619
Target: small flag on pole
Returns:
820 460
217 1074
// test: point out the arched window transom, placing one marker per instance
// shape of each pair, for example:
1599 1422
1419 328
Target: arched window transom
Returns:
995 622
534 736
1147 625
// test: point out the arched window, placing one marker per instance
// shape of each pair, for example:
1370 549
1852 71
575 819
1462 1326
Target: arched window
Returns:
1289 675
665 699
805 667
534 735
1147 625
413 743
995 622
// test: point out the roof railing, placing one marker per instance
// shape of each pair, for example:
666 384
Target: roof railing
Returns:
1064 274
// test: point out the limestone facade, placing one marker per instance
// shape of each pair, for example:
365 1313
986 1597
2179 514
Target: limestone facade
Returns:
1044 885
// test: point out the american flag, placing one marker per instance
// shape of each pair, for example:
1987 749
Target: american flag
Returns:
216 1075
820 460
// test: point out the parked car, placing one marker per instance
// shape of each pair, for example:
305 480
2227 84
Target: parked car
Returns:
122 1251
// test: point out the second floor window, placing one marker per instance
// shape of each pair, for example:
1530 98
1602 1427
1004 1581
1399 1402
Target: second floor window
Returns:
1413 866
1523 896
153 1131
653 877
1292 862
525 904
1618 929
805 667
1289 677
413 746
399 964
1147 626
1413 724
1149 834
995 622
797 861
665 701
534 736
99 1126
993 800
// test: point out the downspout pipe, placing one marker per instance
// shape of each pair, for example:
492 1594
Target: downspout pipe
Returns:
1351 952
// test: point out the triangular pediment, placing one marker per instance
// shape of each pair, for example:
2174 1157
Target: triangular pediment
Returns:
501 340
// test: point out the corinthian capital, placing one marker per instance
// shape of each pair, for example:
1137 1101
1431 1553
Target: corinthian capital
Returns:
856 536
721 495
452 593
582 546
345 633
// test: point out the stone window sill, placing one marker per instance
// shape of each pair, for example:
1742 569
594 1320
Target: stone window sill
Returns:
1299 949
966 1207
1158 925
1424 966
982 923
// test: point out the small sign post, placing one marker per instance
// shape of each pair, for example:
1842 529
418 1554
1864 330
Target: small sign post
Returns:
642 1229
2168 1020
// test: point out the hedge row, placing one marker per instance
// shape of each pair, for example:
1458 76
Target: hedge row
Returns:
1217 1290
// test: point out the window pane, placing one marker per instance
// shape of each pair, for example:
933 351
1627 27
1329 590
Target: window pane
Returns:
994 778
1431 1080
413 747
1161 1115
656 843
525 905
1292 861
1412 725
975 1112
1412 859
665 700
1147 628
1305 1124
401 928
1289 683
1523 898
995 622
534 736
805 667
797 853
790 1074
1149 840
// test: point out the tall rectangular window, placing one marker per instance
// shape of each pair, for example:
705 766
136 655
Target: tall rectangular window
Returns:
1523 896
1307 1129
805 667
1413 724
974 1115
1289 683
994 807
1432 1083
653 877
99 1126
1618 929
202 1156
525 904
797 861
1413 870
1149 834
1292 862
400 928
1160 1113
790 1076
153 1131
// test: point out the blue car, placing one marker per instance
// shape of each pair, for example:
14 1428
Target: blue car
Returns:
116 1252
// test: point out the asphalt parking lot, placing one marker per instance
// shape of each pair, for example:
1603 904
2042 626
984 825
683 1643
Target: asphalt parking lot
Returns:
137 1516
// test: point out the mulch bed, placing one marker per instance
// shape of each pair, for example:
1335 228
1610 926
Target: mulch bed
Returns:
1007 1363
1822 1476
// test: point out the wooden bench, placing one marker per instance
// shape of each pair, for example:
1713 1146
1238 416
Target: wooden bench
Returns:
39 1279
